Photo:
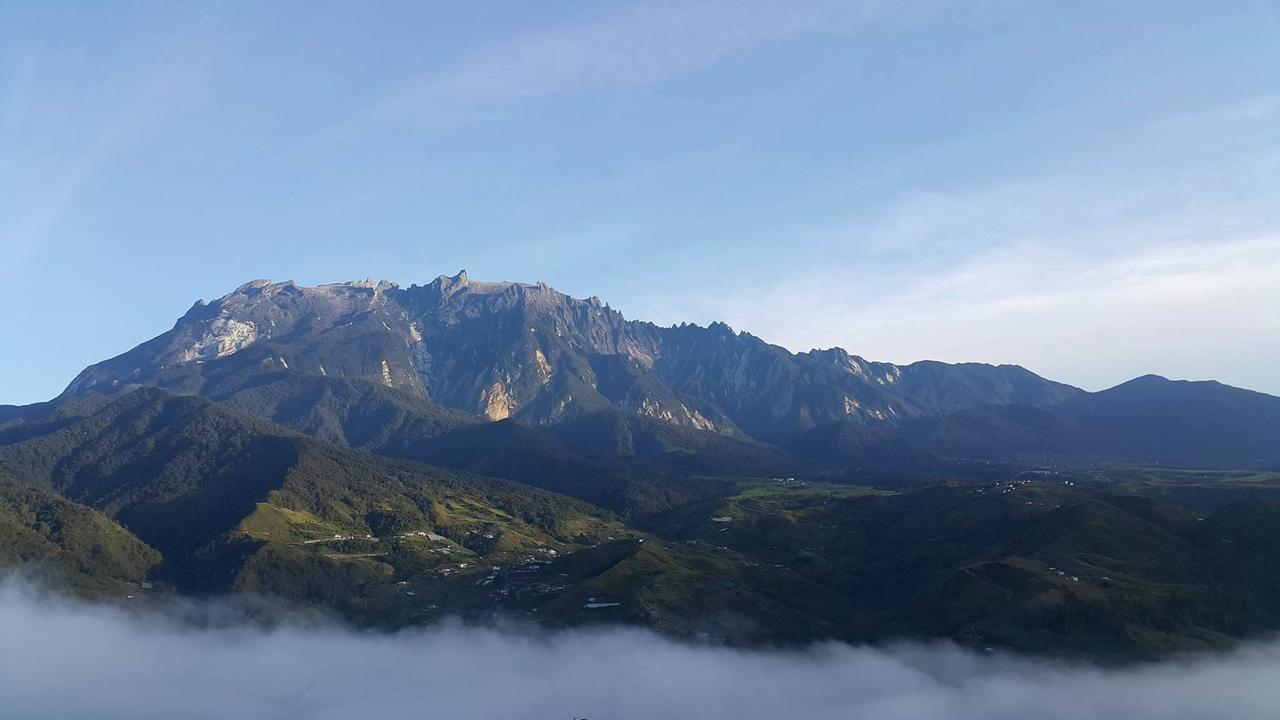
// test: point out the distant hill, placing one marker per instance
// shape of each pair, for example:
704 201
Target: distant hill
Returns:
1146 420
1181 421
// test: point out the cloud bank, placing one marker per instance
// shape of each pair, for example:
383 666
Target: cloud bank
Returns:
64 659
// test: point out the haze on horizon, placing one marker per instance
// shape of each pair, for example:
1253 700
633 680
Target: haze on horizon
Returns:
1085 190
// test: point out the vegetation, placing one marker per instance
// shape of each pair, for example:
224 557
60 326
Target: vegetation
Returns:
669 529
45 533
196 482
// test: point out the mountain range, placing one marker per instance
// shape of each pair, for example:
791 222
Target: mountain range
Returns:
458 351
480 448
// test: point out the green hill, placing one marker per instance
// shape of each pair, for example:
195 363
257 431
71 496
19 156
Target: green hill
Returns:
210 489
47 534
1034 566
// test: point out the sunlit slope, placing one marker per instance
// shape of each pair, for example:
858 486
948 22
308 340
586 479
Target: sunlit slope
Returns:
207 487
56 540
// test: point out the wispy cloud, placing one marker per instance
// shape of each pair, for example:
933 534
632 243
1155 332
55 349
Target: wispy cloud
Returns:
1150 260
635 45
68 660
1174 310
70 118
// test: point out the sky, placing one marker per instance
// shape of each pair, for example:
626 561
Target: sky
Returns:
98 662
1088 189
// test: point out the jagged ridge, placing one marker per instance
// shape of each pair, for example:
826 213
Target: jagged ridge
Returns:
529 352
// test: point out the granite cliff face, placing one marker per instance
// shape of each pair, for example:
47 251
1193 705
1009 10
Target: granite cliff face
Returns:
512 350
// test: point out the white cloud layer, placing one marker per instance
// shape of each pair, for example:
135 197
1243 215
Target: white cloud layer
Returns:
68 661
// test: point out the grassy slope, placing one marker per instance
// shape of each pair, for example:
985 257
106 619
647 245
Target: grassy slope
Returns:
211 489
45 532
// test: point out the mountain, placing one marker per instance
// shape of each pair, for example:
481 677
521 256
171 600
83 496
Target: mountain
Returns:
373 366
1181 421
868 448
616 433
529 352
503 450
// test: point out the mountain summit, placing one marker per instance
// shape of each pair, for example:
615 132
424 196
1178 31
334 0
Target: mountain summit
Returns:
527 351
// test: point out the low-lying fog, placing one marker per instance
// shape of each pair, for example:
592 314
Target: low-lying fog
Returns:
70 660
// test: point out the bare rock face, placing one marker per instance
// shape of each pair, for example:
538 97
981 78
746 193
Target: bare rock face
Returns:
526 351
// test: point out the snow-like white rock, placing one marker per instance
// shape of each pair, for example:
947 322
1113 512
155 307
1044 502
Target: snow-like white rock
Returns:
224 337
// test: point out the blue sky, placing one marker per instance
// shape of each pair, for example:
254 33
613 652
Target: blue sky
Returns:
1089 189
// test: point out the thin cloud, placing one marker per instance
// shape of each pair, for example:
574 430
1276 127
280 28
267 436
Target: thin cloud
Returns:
1174 310
1091 275
69 660
58 148
633 46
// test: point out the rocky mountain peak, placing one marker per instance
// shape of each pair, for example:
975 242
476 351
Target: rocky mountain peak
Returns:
252 285
369 283
447 284
721 328
528 351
